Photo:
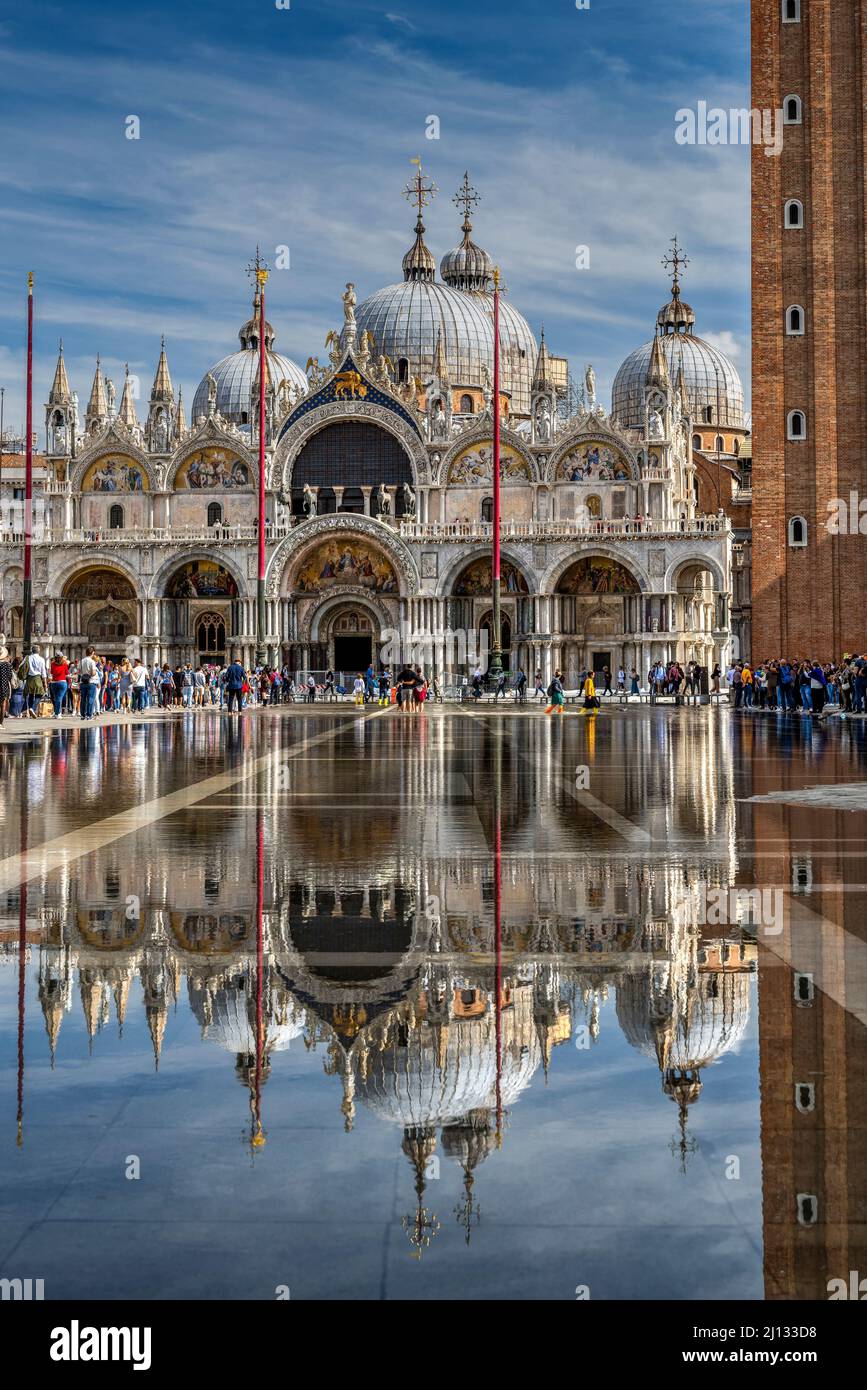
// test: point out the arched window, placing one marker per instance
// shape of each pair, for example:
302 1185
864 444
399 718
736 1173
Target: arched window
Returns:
467 406
487 509
791 11
794 321
793 215
696 441
797 532
719 444
115 517
736 448
403 369
708 414
215 514
792 110
797 423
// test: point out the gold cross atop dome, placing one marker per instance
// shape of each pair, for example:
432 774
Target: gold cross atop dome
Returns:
258 270
466 197
417 191
676 259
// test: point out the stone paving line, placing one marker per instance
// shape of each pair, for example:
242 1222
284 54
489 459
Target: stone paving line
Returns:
66 849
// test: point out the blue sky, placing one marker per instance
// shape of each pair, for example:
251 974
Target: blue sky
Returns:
295 127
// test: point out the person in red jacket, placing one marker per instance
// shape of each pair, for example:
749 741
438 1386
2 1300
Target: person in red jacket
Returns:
59 683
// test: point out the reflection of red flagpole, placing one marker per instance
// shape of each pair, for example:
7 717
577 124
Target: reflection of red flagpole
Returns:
22 951
28 477
498 946
258 1138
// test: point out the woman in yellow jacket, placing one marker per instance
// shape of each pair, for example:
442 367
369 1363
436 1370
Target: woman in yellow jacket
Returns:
591 704
749 686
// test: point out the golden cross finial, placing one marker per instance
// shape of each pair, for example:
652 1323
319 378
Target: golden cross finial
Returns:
466 197
416 191
676 259
258 270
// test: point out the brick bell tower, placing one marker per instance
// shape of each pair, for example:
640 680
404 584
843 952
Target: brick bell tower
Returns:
809 280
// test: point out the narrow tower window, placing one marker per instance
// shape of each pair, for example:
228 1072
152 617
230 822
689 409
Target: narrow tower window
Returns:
791 11
797 532
797 425
803 989
792 111
808 1209
795 321
794 214
805 1096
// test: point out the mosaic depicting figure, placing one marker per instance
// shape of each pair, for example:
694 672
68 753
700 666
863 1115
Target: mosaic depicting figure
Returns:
593 462
203 579
335 563
213 470
475 466
115 474
476 579
596 574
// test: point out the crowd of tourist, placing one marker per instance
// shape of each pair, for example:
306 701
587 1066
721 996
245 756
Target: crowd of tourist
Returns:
35 686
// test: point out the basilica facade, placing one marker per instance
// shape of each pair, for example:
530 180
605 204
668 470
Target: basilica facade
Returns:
379 483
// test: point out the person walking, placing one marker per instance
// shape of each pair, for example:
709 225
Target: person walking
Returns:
59 683
33 674
358 688
539 685
311 688
501 687
520 686
330 693
591 699
556 699
7 671
606 689
385 687
634 686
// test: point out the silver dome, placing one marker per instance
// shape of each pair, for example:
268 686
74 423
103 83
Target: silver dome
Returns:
709 377
406 318
236 374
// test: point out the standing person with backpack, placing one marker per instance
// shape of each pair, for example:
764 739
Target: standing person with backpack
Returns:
556 699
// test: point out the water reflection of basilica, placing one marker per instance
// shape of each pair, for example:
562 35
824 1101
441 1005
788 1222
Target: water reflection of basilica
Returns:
419 1017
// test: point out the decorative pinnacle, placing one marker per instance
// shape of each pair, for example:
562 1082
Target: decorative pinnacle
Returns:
468 198
258 270
417 192
30 282
675 260
496 277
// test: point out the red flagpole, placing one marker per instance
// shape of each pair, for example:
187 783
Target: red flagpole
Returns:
261 277
28 478
495 665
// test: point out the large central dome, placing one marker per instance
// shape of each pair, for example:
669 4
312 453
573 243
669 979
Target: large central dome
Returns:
405 320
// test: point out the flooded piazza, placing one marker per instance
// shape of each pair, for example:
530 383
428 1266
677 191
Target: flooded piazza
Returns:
463 1005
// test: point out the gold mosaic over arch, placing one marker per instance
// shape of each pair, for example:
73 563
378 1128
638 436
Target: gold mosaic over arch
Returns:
345 562
595 460
213 469
115 472
474 465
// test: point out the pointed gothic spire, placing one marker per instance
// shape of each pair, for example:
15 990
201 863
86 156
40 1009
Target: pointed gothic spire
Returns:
126 414
180 419
543 376
441 366
60 393
97 406
162 387
657 367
